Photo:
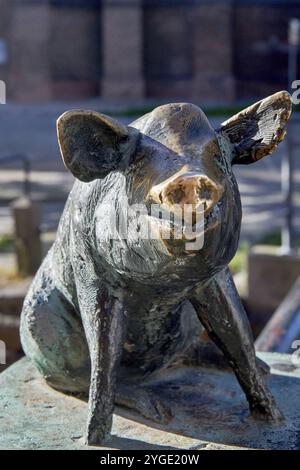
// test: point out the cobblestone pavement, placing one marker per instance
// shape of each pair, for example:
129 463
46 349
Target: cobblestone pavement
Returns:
32 130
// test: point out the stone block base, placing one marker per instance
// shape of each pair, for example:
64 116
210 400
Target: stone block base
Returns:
270 277
211 413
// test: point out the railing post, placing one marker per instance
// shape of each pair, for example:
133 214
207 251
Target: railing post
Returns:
27 220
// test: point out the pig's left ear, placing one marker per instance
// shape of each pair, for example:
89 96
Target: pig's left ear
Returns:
92 144
256 131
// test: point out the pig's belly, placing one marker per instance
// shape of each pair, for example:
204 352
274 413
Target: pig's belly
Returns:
157 332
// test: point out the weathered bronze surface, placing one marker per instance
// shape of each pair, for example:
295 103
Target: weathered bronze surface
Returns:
105 314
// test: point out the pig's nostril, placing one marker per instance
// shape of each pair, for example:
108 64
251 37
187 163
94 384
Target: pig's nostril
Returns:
175 196
208 193
205 197
204 193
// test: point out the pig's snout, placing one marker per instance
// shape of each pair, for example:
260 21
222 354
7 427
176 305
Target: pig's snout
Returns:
199 191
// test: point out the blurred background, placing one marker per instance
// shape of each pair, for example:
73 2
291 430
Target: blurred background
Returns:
123 58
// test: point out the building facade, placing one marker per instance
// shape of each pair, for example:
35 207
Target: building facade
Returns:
200 50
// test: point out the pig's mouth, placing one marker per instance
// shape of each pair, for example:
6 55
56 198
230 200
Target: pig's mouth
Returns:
170 225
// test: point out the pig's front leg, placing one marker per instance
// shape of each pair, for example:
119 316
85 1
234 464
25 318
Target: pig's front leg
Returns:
221 312
102 318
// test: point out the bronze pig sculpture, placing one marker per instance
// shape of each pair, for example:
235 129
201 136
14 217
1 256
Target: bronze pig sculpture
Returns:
104 313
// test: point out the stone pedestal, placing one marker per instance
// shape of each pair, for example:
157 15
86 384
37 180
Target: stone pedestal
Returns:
270 277
212 413
122 26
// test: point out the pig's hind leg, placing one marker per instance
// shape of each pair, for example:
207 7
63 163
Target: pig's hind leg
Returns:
205 353
220 310
53 338
141 399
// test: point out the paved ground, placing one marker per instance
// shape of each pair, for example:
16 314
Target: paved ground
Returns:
31 130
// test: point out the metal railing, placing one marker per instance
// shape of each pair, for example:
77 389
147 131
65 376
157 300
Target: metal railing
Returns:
288 169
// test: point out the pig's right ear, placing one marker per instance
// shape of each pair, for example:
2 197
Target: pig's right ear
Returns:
257 130
92 144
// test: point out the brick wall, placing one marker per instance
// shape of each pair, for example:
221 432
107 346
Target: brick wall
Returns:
122 24
29 72
168 51
54 49
213 52
260 54
201 50
188 50
75 52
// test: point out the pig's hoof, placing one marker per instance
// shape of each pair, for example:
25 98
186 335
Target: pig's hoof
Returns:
263 367
144 402
96 437
95 440
268 413
158 411
153 408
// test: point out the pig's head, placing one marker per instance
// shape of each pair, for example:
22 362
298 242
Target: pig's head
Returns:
173 159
